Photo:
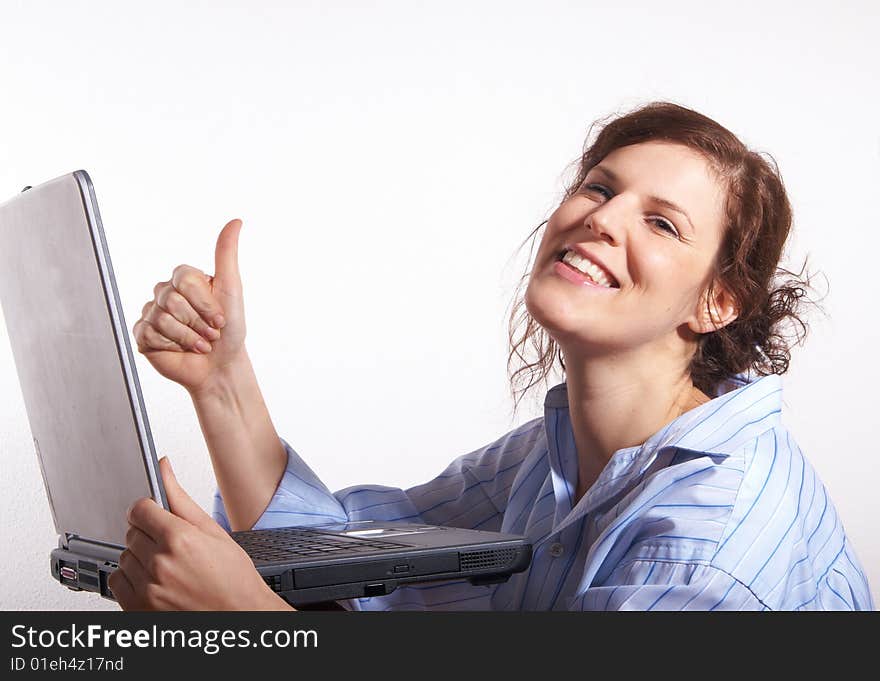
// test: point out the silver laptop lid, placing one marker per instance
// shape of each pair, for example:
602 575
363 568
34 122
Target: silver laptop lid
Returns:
74 361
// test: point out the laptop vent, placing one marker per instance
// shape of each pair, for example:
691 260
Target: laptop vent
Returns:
491 560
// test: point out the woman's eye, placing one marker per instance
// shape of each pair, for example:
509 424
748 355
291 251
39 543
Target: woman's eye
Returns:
604 191
665 225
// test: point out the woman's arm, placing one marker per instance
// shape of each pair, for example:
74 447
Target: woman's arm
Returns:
471 492
193 333
246 453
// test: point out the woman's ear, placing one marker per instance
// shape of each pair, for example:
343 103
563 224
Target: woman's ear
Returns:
715 310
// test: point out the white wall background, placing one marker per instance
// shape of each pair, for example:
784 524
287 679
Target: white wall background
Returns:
387 159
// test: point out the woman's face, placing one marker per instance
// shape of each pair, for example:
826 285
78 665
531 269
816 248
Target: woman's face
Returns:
659 259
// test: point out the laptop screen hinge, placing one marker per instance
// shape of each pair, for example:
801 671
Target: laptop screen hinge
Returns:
96 549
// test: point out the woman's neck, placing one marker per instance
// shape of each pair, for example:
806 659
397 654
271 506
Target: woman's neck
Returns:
614 406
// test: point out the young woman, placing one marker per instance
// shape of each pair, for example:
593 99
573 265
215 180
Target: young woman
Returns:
659 477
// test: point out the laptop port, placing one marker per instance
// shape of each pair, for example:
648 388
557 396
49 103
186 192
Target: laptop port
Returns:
374 590
68 573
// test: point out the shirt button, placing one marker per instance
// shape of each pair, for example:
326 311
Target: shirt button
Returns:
556 549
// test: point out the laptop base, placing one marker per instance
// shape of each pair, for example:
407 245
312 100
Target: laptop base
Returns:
80 572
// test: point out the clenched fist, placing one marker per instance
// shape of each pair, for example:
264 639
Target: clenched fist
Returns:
194 325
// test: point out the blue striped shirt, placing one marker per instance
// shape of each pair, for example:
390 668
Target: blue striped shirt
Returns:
719 510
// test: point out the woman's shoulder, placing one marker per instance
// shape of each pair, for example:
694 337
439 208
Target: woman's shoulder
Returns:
783 525
759 513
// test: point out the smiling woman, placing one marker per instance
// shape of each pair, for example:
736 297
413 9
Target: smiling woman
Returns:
755 221
659 477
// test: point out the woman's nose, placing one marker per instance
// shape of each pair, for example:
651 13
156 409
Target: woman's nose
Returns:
606 222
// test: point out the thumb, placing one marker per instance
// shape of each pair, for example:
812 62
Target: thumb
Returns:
226 254
180 503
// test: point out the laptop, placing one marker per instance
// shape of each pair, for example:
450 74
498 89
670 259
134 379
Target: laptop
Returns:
94 446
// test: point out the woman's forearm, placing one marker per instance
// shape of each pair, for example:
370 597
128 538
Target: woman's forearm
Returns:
246 453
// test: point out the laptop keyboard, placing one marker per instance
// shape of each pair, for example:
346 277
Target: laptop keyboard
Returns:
290 542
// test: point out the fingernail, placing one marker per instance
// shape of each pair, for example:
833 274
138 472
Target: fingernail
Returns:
219 321
213 334
202 346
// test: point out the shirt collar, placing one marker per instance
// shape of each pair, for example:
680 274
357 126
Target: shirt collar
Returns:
742 409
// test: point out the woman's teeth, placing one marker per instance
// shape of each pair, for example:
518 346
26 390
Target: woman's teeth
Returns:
588 268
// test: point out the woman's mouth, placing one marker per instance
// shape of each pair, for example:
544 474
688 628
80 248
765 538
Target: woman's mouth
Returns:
583 270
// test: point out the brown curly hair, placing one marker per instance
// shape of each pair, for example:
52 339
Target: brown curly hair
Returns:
758 221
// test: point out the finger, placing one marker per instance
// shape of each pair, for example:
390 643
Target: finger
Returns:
136 574
122 590
150 340
141 547
154 521
177 332
181 504
226 257
194 285
138 328
173 302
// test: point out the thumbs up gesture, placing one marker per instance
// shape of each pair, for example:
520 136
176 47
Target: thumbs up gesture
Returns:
183 560
194 326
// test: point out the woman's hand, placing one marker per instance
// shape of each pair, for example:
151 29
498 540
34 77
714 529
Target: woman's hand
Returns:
183 560
194 325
